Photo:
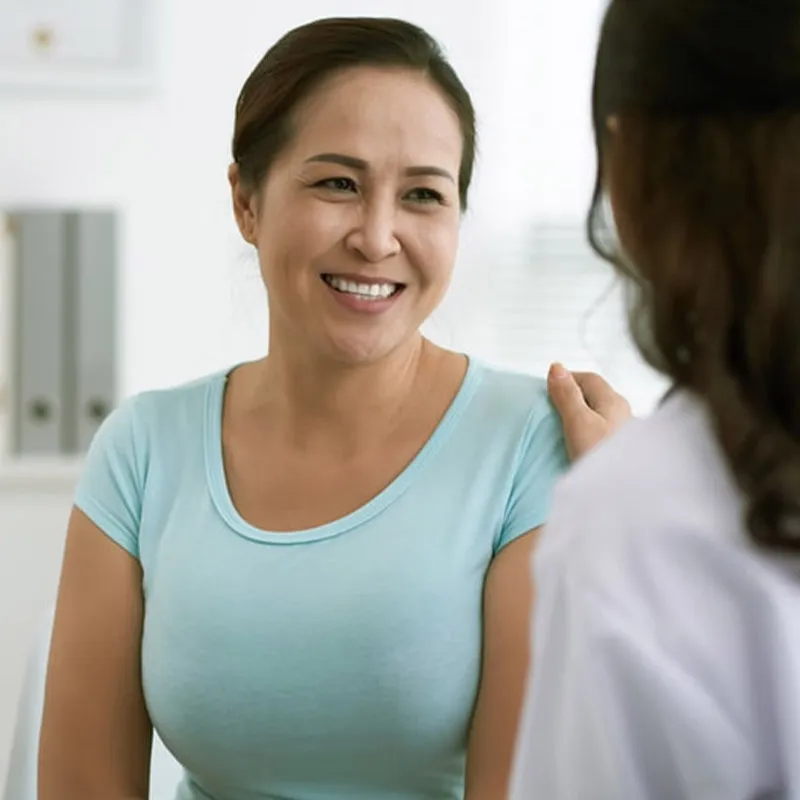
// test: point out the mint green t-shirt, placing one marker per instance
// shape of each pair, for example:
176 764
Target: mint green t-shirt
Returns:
337 663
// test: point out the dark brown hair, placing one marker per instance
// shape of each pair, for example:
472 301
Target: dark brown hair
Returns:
303 58
704 172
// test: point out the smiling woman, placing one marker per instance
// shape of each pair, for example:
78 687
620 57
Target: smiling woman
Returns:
359 196
311 570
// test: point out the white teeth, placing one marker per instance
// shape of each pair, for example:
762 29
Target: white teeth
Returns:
367 291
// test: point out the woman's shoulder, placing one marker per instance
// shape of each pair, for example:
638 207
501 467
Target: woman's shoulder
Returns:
171 405
511 395
649 527
517 428
150 423
660 478
672 447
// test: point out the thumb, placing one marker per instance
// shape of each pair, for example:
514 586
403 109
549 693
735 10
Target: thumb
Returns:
565 393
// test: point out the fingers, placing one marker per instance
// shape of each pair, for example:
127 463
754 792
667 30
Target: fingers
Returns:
565 393
601 397
592 385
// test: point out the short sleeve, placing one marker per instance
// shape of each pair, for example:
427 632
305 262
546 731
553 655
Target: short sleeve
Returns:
541 461
109 491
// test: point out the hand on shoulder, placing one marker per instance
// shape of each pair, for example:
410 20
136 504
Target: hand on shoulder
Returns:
589 407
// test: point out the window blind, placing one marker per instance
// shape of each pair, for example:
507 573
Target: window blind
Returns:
547 297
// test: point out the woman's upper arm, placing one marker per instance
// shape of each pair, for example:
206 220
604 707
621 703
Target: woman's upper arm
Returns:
96 733
507 605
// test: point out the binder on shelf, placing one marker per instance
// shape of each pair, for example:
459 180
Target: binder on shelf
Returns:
6 332
37 417
95 238
63 331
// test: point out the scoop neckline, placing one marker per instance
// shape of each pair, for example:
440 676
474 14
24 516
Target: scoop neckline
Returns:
218 484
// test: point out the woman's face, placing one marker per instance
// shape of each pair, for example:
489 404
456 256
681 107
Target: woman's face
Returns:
357 223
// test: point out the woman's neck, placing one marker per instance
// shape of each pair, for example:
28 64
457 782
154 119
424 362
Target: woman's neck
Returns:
340 407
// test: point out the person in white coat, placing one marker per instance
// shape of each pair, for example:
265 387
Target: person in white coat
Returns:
666 634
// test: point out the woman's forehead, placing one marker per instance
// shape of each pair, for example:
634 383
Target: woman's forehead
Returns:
370 114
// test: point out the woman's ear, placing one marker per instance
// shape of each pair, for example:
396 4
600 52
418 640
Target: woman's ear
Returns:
244 205
612 123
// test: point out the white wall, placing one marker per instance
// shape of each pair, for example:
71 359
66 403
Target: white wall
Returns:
190 297
191 300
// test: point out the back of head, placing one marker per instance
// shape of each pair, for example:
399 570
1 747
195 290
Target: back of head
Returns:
306 56
696 108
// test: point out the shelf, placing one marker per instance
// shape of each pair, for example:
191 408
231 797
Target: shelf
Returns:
39 474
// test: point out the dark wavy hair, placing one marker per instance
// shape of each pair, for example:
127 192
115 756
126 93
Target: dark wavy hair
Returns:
301 60
696 111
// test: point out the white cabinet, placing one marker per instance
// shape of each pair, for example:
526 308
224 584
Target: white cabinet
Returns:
75 43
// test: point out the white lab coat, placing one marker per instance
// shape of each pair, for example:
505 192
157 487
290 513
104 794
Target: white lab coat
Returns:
666 661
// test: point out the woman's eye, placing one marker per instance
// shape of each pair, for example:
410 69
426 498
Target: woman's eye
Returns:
422 195
338 184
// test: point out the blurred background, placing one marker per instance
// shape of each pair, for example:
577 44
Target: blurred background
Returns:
121 269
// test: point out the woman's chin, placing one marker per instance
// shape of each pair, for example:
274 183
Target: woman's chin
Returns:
359 350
